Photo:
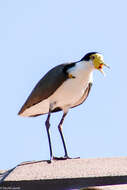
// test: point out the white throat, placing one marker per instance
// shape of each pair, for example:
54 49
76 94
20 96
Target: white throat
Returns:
83 70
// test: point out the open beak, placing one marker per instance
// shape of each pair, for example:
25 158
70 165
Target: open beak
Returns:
101 68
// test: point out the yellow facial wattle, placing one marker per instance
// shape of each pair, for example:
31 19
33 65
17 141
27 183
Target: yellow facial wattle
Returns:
97 61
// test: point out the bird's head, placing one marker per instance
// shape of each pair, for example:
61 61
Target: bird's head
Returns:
96 59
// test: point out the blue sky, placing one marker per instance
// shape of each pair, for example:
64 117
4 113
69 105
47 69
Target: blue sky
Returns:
34 37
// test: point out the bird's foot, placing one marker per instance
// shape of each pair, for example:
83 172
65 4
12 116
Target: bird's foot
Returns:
49 161
64 158
60 158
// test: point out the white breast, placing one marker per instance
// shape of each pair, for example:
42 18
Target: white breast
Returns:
73 89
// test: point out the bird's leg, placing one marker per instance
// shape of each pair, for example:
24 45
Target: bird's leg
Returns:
63 141
61 134
47 124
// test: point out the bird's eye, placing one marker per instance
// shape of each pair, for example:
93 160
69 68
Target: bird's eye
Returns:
93 57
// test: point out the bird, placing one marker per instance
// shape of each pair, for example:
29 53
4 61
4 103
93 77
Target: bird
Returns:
64 87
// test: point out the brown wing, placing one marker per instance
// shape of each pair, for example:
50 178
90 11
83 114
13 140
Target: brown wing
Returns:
85 95
47 85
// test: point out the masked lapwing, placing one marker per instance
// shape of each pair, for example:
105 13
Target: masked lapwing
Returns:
63 87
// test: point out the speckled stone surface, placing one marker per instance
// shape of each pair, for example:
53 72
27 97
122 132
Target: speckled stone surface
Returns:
71 168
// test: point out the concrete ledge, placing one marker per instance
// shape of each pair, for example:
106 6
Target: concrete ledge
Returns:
68 174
